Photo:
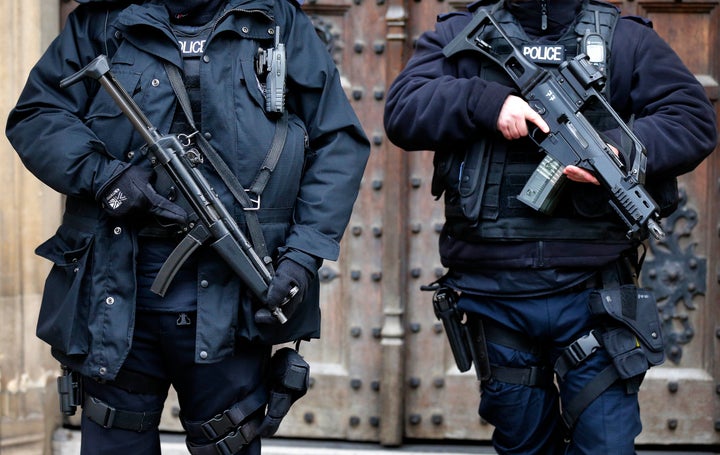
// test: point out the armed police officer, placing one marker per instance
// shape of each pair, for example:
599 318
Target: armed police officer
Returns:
252 100
549 289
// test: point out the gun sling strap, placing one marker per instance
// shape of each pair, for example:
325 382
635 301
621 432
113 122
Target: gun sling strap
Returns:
250 206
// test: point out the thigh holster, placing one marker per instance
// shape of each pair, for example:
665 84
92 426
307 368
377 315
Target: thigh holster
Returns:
102 413
110 417
258 414
230 430
628 329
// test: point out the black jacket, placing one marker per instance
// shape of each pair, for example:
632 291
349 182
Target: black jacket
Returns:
73 139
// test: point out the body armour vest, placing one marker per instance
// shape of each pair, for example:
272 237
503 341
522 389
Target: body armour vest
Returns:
481 183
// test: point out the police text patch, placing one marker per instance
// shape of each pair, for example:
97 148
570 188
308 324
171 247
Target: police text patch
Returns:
545 53
191 47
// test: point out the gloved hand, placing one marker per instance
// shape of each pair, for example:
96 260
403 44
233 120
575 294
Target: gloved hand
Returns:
289 274
130 191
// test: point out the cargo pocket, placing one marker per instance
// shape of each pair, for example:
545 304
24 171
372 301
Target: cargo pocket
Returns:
63 318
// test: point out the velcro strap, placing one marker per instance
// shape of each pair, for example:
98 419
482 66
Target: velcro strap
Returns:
230 444
229 420
530 376
576 353
108 417
577 404
510 338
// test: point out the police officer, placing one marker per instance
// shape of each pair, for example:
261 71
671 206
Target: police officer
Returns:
207 336
535 282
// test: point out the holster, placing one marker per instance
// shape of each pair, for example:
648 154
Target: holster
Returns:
289 381
462 345
632 335
69 391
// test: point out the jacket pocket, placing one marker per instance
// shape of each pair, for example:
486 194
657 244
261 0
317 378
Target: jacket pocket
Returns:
106 119
251 81
63 318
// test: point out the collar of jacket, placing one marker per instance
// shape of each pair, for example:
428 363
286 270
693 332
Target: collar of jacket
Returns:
141 23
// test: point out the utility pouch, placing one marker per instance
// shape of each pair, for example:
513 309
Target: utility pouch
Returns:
458 333
633 337
472 179
443 163
289 381
627 354
69 391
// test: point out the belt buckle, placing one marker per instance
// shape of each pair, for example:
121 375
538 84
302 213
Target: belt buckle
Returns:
255 201
108 417
582 348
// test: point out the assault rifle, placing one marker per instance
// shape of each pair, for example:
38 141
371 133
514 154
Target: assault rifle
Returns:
211 221
561 99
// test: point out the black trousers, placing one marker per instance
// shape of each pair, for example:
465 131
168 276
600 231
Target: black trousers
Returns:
165 350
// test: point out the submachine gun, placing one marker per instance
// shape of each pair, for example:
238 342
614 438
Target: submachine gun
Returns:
561 100
211 220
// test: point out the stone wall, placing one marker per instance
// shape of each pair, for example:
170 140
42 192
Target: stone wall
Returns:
29 213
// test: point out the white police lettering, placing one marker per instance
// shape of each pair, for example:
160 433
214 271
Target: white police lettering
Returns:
545 53
191 46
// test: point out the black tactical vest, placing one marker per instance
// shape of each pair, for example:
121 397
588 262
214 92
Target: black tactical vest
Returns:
481 183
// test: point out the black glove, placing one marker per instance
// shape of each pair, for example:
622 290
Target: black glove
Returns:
282 293
130 191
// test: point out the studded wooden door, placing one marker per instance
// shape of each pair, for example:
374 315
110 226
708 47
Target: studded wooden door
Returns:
681 400
382 370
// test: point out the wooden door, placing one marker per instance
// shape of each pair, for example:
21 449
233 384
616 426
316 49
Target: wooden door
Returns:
382 370
681 400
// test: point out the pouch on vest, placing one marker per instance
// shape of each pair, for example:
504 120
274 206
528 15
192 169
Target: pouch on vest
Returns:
467 175
473 175
443 164
636 343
